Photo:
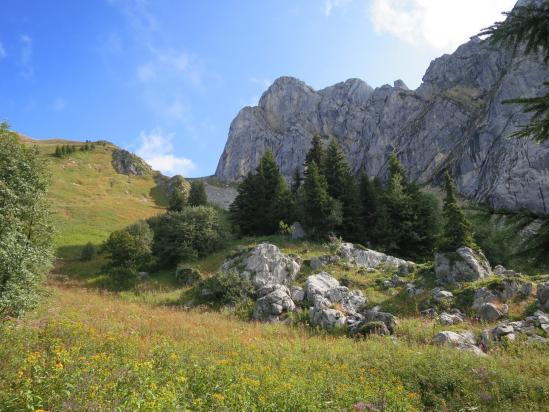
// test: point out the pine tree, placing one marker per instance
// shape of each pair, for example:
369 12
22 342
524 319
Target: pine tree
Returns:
457 228
342 187
321 211
58 152
64 150
316 152
369 209
296 181
263 200
197 195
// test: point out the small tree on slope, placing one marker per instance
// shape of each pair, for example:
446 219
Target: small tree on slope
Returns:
457 228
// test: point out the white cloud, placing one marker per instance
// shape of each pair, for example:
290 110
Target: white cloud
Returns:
330 5
157 150
26 57
2 51
440 24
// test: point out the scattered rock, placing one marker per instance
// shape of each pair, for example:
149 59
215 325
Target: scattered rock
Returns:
367 258
369 328
463 265
489 312
316 263
483 296
429 313
499 270
275 301
462 341
297 294
446 318
297 231
413 290
388 319
440 294
543 295
264 265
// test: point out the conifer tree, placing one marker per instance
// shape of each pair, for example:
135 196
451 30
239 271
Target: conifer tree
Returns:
316 152
341 186
369 209
179 194
197 195
321 211
58 152
296 181
263 200
457 228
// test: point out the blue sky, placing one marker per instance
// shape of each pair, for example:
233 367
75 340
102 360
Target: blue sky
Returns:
164 78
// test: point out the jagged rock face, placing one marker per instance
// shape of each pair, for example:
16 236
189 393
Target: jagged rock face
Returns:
454 120
127 163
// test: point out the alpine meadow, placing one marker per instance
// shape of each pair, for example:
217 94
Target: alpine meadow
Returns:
356 249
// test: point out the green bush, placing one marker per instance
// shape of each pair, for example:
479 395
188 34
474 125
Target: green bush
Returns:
130 247
25 230
227 288
191 233
123 277
89 252
186 275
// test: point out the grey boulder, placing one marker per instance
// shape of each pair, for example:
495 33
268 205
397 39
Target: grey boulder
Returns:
463 265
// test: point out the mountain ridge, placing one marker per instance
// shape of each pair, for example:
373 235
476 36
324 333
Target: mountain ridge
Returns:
454 120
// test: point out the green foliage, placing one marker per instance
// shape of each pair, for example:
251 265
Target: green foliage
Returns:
296 181
316 152
123 277
227 288
179 194
187 275
193 232
342 187
369 209
408 220
130 248
263 200
526 26
321 213
25 229
536 248
538 128
89 252
457 228
197 195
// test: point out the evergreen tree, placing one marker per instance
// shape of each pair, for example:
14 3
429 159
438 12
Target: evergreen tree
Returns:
89 252
528 26
369 209
316 152
197 195
263 199
296 181
342 187
58 152
322 213
409 218
64 151
457 228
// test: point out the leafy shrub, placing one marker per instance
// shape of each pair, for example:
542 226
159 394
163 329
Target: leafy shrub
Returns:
191 233
227 288
25 230
186 275
89 252
123 276
130 247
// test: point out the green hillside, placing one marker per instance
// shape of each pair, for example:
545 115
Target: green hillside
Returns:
90 199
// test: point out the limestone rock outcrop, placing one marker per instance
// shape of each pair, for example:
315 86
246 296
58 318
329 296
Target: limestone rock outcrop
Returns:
454 120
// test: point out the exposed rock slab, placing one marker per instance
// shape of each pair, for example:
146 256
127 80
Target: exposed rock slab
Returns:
463 265
367 258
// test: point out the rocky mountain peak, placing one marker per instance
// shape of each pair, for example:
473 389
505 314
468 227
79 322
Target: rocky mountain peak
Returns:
454 121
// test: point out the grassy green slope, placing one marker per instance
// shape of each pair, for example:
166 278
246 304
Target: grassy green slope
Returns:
90 199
